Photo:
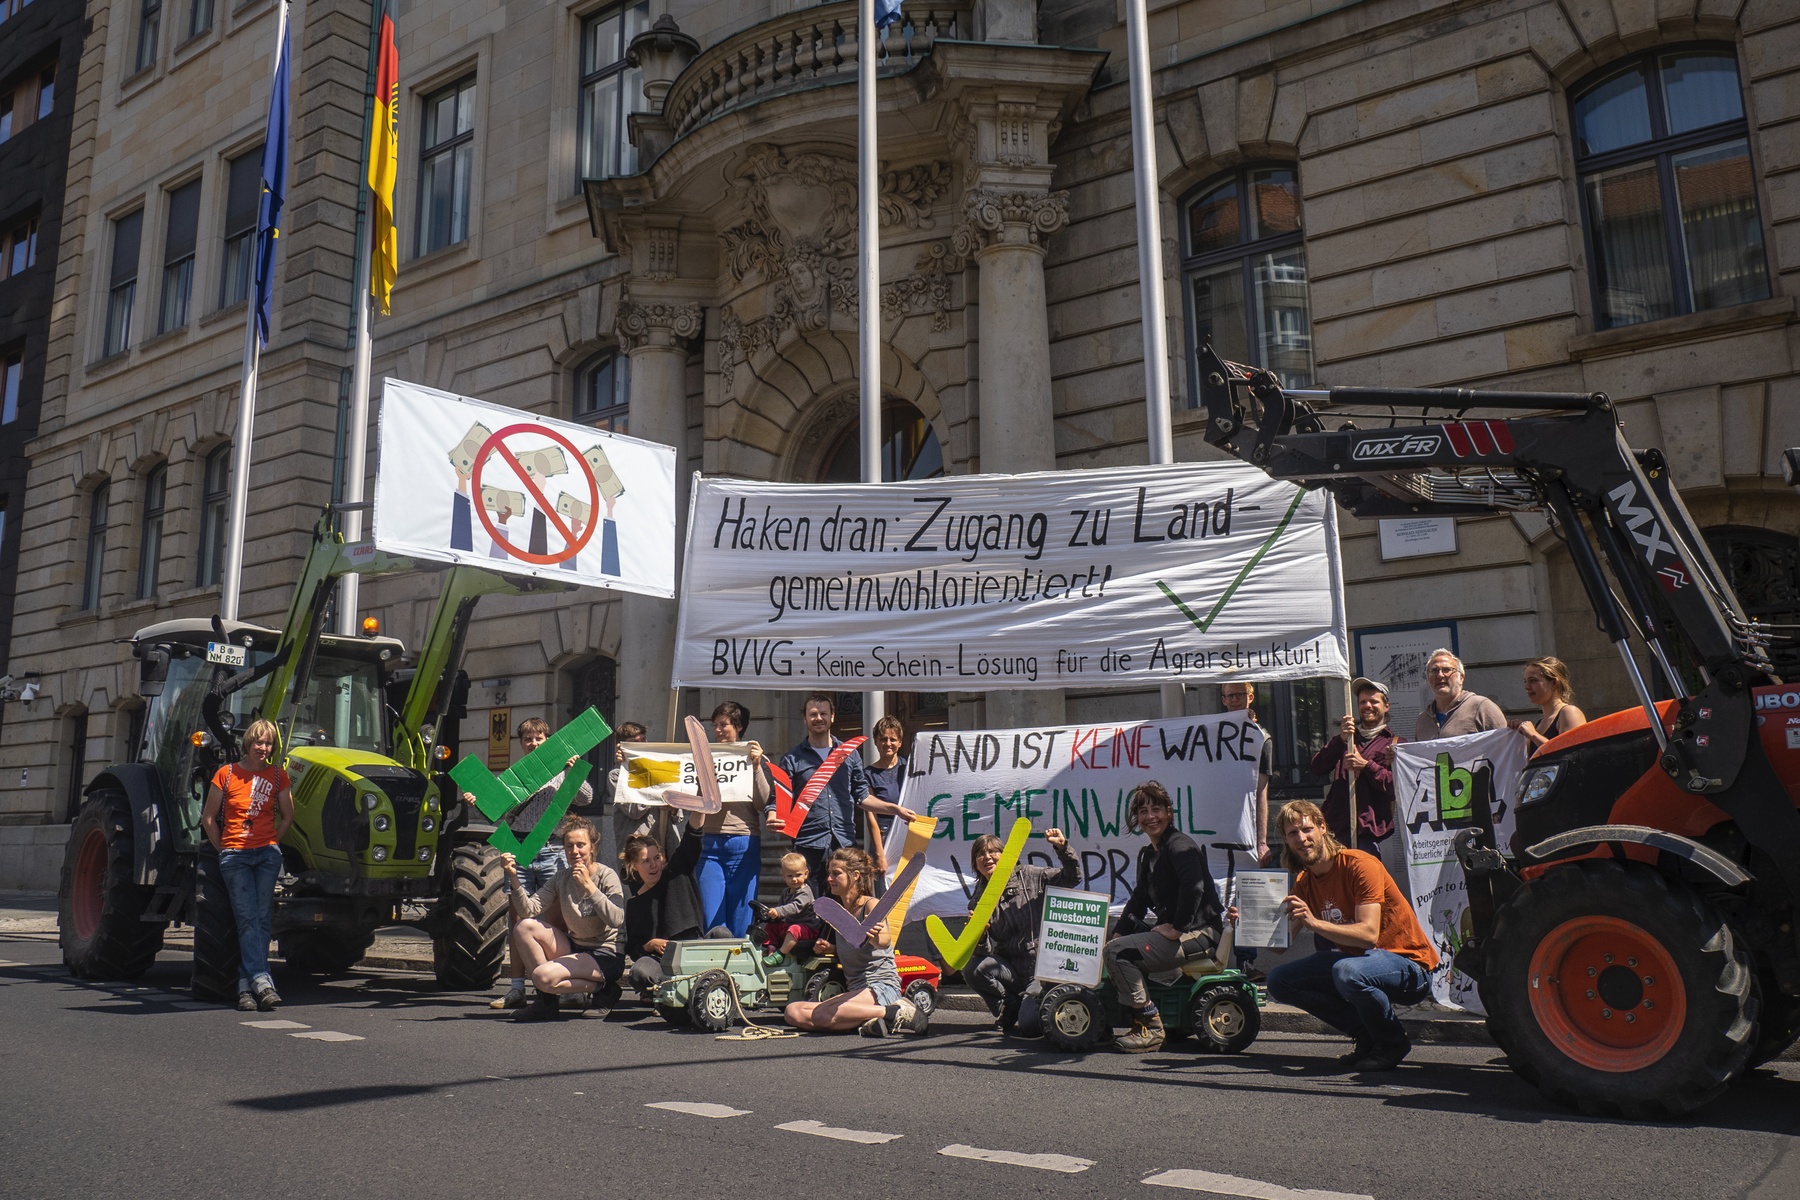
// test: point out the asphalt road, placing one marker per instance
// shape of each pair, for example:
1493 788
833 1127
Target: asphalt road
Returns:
126 1090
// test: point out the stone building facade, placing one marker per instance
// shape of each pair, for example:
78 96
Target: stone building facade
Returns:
1544 194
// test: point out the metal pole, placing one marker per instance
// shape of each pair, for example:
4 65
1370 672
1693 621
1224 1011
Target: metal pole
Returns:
868 261
1152 312
231 582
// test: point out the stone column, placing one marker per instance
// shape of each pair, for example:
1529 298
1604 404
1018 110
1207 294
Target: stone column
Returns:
1004 232
654 335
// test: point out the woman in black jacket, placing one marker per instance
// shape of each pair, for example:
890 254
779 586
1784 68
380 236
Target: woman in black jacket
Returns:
666 906
1174 884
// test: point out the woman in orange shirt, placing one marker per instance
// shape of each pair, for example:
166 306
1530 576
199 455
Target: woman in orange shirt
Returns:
248 807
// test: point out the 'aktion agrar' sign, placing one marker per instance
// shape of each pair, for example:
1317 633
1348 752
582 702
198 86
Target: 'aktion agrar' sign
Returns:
1124 577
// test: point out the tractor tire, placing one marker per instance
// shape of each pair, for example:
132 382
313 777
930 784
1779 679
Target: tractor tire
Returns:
99 910
1777 1023
923 996
326 952
1617 992
1224 1019
711 1005
215 934
1073 1017
825 984
471 949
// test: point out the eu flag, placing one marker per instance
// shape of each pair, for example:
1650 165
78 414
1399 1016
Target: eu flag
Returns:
274 182
886 13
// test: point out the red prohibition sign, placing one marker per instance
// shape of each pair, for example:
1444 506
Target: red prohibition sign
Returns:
572 544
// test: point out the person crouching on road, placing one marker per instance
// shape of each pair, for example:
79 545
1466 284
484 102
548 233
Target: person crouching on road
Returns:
582 957
871 1001
1004 968
1173 882
667 906
249 805
1379 955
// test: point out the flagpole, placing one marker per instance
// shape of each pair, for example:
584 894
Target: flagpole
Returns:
356 452
868 241
231 575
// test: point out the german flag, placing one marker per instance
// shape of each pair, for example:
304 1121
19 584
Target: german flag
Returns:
384 160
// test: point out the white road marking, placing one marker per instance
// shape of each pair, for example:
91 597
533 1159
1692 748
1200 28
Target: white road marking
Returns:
7 962
819 1129
1253 1189
274 1024
1066 1163
694 1109
327 1035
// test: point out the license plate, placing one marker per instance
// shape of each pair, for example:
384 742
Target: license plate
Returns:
225 654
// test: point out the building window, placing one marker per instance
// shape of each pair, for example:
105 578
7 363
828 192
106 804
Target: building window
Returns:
1245 272
156 491
243 195
6 116
611 90
11 7
149 21
18 248
1668 189
909 448
121 297
200 16
445 167
93 577
75 738
215 494
602 392
12 368
46 97
178 256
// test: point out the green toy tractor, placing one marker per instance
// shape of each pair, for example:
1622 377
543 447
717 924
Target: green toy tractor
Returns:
1215 1004
701 974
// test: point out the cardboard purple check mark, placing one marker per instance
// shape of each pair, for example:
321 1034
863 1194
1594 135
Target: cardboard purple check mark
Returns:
856 932
706 775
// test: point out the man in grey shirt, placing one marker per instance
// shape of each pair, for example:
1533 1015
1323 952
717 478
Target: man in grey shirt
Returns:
1452 710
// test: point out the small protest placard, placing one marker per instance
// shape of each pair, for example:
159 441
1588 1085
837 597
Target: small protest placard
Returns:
1071 936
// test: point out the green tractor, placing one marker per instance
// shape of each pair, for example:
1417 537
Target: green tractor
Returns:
379 838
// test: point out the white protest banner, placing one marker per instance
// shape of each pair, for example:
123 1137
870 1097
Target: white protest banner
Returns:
1070 937
1434 790
1130 576
652 768
1077 778
464 481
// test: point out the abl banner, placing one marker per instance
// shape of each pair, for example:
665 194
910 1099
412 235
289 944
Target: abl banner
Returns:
653 768
1127 577
1079 779
1435 784
463 481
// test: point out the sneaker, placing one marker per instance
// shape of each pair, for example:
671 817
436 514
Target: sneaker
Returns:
514 998
1359 1050
544 1008
1146 1034
773 958
267 998
601 1004
246 1002
1383 1058
911 1018
882 1026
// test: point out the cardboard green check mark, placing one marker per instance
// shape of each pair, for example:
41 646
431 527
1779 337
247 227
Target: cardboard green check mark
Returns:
1203 624
957 951
497 796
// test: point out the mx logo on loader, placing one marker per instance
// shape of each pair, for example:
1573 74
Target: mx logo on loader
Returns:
1454 792
1645 531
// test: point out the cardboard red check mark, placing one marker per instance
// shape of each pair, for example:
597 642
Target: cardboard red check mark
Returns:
855 932
791 810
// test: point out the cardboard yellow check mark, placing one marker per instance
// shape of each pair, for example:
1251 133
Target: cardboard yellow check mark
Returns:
957 951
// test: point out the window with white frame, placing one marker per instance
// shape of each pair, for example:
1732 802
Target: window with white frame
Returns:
179 237
446 166
611 90
121 296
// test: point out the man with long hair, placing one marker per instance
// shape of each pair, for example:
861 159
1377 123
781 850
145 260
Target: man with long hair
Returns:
1378 955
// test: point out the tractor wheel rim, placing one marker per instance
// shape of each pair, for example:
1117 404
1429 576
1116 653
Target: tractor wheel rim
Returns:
1607 994
1226 1020
718 1005
88 887
1072 1019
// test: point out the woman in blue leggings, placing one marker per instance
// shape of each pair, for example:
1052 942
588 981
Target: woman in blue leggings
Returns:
730 849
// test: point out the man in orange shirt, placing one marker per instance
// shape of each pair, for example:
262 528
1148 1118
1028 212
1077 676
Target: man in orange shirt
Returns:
1379 955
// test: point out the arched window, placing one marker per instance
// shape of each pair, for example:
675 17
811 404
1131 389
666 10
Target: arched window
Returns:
1668 190
909 448
94 575
150 537
215 496
1244 264
603 392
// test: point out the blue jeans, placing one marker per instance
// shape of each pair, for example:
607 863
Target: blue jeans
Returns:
250 882
726 877
1353 993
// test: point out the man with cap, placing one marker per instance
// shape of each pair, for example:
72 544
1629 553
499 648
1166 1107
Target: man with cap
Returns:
1363 750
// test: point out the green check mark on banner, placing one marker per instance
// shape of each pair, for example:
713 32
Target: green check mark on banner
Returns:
1203 624
497 796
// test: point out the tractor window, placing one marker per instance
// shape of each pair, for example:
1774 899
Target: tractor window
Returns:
342 707
171 718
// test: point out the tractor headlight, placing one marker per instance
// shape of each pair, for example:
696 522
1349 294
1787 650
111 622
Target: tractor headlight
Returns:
381 824
370 800
425 854
1536 782
378 853
428 824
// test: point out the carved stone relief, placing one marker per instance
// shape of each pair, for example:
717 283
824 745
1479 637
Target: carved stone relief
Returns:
987 214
